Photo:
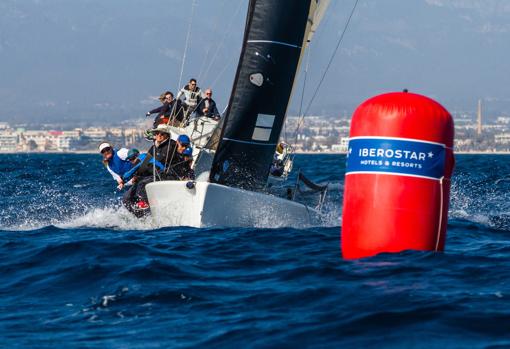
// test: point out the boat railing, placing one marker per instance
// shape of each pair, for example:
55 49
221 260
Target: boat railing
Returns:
314 187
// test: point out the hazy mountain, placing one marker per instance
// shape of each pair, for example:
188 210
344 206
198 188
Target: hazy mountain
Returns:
106 60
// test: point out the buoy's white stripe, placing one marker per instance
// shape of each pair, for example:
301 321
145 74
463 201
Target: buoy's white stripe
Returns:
400 139
391 174
247 142
273 42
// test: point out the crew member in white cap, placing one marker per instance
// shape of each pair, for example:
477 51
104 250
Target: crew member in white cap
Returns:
115 161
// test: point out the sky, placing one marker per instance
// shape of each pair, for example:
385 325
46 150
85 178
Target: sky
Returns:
105 61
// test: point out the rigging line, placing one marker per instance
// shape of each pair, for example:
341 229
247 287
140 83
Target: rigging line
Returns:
223 70
285 132
154 158
188 39
325 22
301 116
214 30
307 66
332 58
168 153
225 35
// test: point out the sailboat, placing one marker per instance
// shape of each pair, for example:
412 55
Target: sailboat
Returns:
232 167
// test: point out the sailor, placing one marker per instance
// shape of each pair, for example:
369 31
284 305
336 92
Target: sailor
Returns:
188 154
135 199
143 166
115 162
163 111
181 168
171 112
192 96
183 143
207 106
161 150
165 148
168 153
188 157
278 166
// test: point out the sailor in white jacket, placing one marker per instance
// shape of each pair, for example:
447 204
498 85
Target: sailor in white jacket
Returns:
116 162
192 95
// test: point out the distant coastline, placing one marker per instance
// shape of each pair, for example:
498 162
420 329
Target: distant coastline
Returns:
457 152
298 152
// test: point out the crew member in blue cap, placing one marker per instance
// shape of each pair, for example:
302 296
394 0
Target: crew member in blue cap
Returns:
180 165
188 153
182 169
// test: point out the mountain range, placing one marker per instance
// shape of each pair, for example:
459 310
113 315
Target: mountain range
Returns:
107 61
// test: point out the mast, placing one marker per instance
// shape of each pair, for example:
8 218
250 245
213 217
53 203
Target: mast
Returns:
275 36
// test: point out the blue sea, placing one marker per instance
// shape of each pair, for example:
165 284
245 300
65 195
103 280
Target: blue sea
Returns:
78 271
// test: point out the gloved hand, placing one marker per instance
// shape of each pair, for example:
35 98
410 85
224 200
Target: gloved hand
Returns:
148 113
148 135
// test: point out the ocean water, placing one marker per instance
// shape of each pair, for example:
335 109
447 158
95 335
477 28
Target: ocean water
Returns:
77 271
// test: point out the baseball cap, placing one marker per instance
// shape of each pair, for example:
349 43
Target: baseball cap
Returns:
132 153
161 128
183 139
188 151
103 146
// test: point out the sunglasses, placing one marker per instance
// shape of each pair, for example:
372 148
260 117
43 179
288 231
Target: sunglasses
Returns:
106 150
208 94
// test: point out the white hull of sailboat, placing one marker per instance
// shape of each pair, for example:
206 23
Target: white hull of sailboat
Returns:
211 205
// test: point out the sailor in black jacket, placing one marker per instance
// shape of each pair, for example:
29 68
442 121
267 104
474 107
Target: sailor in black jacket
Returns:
207 106
171 109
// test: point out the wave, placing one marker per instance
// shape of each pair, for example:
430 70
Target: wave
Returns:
70 212
116 218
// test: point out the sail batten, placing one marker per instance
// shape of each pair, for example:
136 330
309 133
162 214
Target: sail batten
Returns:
274 42
272 46
248 142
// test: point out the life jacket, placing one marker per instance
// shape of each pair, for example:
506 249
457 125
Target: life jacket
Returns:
118 165
191 97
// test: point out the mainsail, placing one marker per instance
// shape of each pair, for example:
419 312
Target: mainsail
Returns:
275 36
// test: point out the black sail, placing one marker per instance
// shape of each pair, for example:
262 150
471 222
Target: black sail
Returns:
272 46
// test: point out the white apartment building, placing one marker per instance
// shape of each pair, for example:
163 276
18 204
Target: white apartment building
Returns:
342 147
132 134
65 138
503 120
502 138
33 140
8 140
97 135
117 132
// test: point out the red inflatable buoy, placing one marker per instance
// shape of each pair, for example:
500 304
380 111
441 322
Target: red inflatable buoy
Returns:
397 182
